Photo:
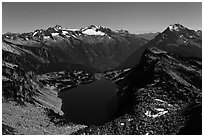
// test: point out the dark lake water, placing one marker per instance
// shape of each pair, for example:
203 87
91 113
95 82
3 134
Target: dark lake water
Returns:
93 103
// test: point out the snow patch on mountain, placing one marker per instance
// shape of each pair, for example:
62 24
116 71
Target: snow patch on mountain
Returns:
35 33
73 29
160 113
57 27
93 32
64 32
46 37
54 34
172 28
176 27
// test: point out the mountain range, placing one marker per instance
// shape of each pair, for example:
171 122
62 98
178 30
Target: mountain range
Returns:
175 39
158 78
95 47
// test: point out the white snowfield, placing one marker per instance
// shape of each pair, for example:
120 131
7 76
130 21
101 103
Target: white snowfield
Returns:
160 113
54 34
93 31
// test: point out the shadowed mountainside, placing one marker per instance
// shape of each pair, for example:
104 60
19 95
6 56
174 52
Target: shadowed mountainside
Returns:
163 96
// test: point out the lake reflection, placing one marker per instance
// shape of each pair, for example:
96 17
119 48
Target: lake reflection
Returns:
93 103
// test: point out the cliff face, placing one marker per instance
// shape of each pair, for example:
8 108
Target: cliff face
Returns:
17 85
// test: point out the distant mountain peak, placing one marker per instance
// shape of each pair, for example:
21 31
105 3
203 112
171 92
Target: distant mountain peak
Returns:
91 27
94 26
58 27
122 31
94 30
176 27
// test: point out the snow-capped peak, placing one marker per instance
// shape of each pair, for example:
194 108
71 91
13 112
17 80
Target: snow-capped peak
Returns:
176 27
122 31
91 27
92 30
58 27
94 26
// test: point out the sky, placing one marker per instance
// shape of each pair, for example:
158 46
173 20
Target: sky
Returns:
132 16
